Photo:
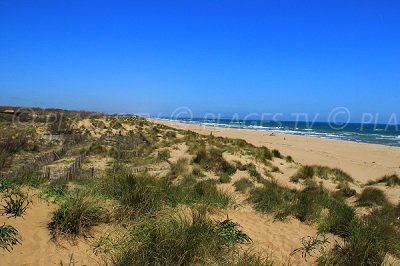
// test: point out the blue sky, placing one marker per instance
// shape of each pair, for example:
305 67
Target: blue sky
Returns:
211 56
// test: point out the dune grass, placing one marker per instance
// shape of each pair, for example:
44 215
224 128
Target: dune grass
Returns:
370 239
76 215
310 171
372 196
306 205
212 160
181 239
243 185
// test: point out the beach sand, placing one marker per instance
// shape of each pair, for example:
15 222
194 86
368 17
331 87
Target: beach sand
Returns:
362 161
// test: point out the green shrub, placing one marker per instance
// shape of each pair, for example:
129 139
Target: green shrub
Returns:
243 185
9 237
372 196
76 215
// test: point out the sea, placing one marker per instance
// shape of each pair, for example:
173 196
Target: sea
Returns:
368 133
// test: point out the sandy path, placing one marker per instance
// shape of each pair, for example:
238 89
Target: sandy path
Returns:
363 161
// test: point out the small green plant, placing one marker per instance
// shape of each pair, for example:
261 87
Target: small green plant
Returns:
243 185
311 245
15 205
9 237
229 231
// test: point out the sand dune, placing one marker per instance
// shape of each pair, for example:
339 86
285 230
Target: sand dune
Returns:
362 161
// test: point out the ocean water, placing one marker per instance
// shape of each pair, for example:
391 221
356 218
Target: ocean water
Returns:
367 133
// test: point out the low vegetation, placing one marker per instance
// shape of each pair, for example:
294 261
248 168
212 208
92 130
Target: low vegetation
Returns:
9 237
76 215
372 196
181 239
322 172
243 185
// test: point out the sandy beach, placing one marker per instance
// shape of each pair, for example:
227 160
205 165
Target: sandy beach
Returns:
361 160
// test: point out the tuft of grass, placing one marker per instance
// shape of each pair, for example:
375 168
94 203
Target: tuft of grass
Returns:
9 237
181 239
243 185
313 204
272 198
15 204
141 193
212 160
372 196
369 240
76 215
323 172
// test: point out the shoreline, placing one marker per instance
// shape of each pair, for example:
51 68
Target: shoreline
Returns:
363 161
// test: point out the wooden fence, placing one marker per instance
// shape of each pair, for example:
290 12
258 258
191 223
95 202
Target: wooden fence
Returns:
65 173
150 168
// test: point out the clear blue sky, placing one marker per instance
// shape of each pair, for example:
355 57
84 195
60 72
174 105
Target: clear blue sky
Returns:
212 56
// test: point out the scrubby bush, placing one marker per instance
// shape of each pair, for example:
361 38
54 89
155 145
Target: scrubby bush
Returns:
76 215
372 196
